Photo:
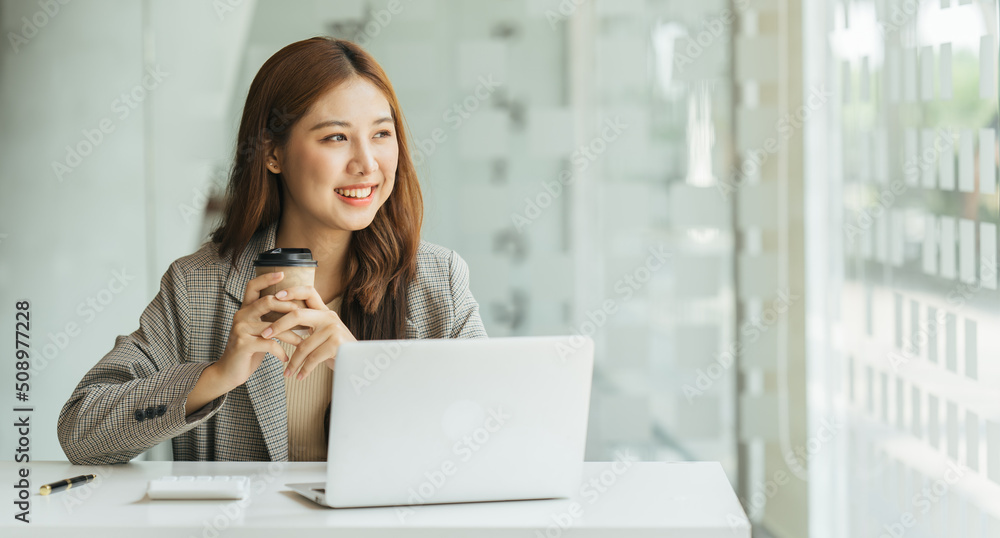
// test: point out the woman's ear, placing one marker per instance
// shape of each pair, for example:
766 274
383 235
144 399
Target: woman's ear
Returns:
272 159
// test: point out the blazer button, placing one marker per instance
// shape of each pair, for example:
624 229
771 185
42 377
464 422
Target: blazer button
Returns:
150 412
139 415
161 410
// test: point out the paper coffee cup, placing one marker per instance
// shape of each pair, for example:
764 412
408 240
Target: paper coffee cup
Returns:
299 268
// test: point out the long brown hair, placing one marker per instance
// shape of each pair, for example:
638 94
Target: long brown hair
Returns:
382 258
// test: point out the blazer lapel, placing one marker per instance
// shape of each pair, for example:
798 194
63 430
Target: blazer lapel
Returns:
266 386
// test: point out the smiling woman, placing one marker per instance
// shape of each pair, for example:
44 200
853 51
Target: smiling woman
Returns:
321 163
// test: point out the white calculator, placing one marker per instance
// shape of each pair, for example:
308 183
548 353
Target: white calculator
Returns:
199 487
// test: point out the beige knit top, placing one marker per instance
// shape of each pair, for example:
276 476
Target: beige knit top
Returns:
306 401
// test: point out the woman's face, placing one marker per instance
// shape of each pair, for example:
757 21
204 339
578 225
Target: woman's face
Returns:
339 164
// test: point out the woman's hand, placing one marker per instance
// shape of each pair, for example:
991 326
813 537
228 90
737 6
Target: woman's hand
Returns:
327 331
246 346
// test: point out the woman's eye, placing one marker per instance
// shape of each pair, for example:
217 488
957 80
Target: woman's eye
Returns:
334 136
385 134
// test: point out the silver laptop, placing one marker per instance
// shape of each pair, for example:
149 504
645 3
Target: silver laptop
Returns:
444 421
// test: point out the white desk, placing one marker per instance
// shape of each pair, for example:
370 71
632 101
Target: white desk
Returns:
647 499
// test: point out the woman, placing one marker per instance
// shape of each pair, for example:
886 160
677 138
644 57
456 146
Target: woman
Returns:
321 163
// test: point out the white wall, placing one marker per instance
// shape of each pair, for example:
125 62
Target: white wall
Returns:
120 208
66 238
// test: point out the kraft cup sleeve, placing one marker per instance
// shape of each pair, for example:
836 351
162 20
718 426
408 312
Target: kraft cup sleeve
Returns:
294 276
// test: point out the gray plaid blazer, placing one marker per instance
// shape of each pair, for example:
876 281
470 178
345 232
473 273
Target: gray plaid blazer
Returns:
134 397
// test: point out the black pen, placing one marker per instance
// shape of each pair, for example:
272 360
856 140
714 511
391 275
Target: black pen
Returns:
66 484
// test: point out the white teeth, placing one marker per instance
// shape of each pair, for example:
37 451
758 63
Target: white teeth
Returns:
354 193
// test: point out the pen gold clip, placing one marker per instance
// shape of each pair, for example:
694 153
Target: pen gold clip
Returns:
66 484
